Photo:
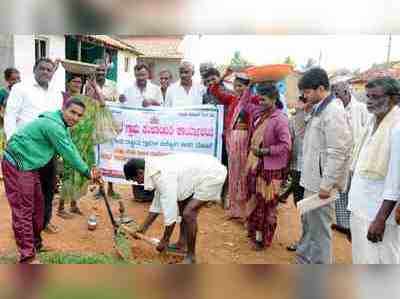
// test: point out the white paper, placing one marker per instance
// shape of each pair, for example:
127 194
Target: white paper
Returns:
313 202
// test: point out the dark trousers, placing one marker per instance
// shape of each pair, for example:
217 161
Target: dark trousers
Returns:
295 187
48 182
24 194
298 190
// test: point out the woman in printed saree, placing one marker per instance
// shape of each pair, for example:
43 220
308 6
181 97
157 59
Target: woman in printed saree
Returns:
85 137
267 163
236 135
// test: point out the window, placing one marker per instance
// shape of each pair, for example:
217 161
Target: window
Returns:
41 48
127 64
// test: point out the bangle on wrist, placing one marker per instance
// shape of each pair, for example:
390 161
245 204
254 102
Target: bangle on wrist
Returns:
265 151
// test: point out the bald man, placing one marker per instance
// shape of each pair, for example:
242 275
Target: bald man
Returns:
358 118
185 92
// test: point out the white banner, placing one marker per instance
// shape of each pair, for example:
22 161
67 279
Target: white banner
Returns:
159 131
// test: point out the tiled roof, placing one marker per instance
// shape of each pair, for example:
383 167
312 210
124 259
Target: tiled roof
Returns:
156 46
377 73
113 42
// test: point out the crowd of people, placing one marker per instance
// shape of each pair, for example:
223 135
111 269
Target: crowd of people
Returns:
331 146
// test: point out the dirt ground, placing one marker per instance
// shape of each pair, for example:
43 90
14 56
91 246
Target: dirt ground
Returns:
219 241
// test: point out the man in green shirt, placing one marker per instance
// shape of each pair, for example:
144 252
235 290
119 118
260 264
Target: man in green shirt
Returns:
28 150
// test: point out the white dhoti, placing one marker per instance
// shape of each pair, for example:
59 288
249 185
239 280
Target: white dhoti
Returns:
210 188
366 252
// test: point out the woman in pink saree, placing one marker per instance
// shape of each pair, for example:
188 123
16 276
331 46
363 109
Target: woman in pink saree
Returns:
267 162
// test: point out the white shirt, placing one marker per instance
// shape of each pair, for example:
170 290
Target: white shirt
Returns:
366 196
175 178
178 97
358 117
26 102
135 97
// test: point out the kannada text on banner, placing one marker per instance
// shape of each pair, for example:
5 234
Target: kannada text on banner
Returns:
160 131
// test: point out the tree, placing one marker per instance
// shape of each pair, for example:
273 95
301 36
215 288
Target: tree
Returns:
289 60
238 62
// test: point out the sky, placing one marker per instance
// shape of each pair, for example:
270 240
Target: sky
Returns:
335 51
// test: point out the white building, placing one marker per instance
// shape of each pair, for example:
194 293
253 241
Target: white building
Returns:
21 52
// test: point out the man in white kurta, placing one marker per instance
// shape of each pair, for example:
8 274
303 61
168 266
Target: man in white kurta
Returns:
185 92
358 118
142 93
29 99
375 188
183 183
26 102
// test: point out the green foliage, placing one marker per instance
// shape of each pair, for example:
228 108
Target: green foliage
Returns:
290 60
68 258
124 246
238 62
100 292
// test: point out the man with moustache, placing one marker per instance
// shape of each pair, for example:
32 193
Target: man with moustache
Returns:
142 93
165 77
185 92
107 87
375 187
26 102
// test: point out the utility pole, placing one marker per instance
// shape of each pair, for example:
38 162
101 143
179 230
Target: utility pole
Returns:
320 58
389 50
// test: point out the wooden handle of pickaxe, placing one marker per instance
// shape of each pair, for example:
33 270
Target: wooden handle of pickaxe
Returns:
134 234
110 214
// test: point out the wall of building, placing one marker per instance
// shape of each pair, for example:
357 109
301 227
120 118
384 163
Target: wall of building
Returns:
6 54
24 53
125 78
57 50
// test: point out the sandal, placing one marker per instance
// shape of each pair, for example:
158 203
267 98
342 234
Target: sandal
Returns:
292 247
